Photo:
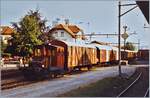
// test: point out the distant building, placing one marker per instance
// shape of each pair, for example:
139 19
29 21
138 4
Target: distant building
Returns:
67 32
6 33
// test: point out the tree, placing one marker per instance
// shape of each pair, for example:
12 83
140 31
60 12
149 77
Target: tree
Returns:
28 33
129 46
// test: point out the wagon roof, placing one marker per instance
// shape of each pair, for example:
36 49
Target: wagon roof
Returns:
130 51
54 46
79 44
48 45
107 47
114 48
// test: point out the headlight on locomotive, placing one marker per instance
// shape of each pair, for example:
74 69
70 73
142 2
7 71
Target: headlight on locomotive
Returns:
43 66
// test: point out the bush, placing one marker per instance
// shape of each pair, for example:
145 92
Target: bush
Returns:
6 55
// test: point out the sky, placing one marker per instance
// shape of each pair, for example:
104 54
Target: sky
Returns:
90 15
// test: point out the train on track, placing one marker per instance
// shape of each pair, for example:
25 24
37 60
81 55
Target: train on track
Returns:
58 57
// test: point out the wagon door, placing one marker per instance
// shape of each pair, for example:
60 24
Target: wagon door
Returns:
50 56
60 58
53 57
98 54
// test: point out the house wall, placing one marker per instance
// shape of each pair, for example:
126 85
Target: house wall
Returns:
79 37
5 38
66 37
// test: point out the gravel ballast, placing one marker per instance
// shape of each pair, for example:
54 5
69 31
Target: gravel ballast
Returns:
58 86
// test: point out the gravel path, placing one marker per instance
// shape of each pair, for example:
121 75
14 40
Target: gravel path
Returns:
68 82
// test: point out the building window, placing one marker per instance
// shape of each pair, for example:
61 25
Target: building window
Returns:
62 34
56 34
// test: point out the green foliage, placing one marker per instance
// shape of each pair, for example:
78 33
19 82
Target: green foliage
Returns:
129 46
6 55
3 47
28 33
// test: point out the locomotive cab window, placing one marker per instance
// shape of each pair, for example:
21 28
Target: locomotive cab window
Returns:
38 52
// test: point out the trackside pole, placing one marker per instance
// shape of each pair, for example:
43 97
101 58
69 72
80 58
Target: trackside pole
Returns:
119 54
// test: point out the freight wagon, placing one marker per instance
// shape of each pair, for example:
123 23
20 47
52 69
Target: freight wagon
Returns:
77 55
128 55
143 54
58 57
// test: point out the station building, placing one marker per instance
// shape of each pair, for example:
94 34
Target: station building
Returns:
67 32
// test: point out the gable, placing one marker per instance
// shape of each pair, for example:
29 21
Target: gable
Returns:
6 30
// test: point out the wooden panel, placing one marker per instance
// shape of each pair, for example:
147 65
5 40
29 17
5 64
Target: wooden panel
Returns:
60 58
73 56
102 56
69 56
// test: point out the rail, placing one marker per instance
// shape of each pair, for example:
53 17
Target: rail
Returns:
146 92
130 85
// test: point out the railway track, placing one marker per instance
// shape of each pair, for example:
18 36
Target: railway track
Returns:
14 78
14 84
134 90
146 93
125 90
6 74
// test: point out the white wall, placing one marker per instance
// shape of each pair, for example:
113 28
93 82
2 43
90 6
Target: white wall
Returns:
66 37
5 38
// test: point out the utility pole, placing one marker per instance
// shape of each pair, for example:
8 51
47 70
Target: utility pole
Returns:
138 44
119 24
119 21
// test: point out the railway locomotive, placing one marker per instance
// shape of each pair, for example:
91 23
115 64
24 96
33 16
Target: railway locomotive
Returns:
59 56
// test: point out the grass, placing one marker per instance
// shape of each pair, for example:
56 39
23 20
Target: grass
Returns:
108 87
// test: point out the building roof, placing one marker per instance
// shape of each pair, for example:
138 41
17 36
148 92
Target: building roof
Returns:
6 30
99 46
144 6
74 28
71 29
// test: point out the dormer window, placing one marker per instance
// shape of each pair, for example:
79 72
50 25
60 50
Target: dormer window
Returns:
62 34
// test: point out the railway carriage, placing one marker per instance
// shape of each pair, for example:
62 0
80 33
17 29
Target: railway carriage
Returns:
102 53
132 54
114 55
143 54
106 54
128 55
77 55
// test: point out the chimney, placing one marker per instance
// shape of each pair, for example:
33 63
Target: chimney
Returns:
54 23
67 21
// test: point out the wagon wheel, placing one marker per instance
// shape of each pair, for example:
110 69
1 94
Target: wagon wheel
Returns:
89 67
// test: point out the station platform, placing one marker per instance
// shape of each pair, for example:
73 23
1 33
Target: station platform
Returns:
11 66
